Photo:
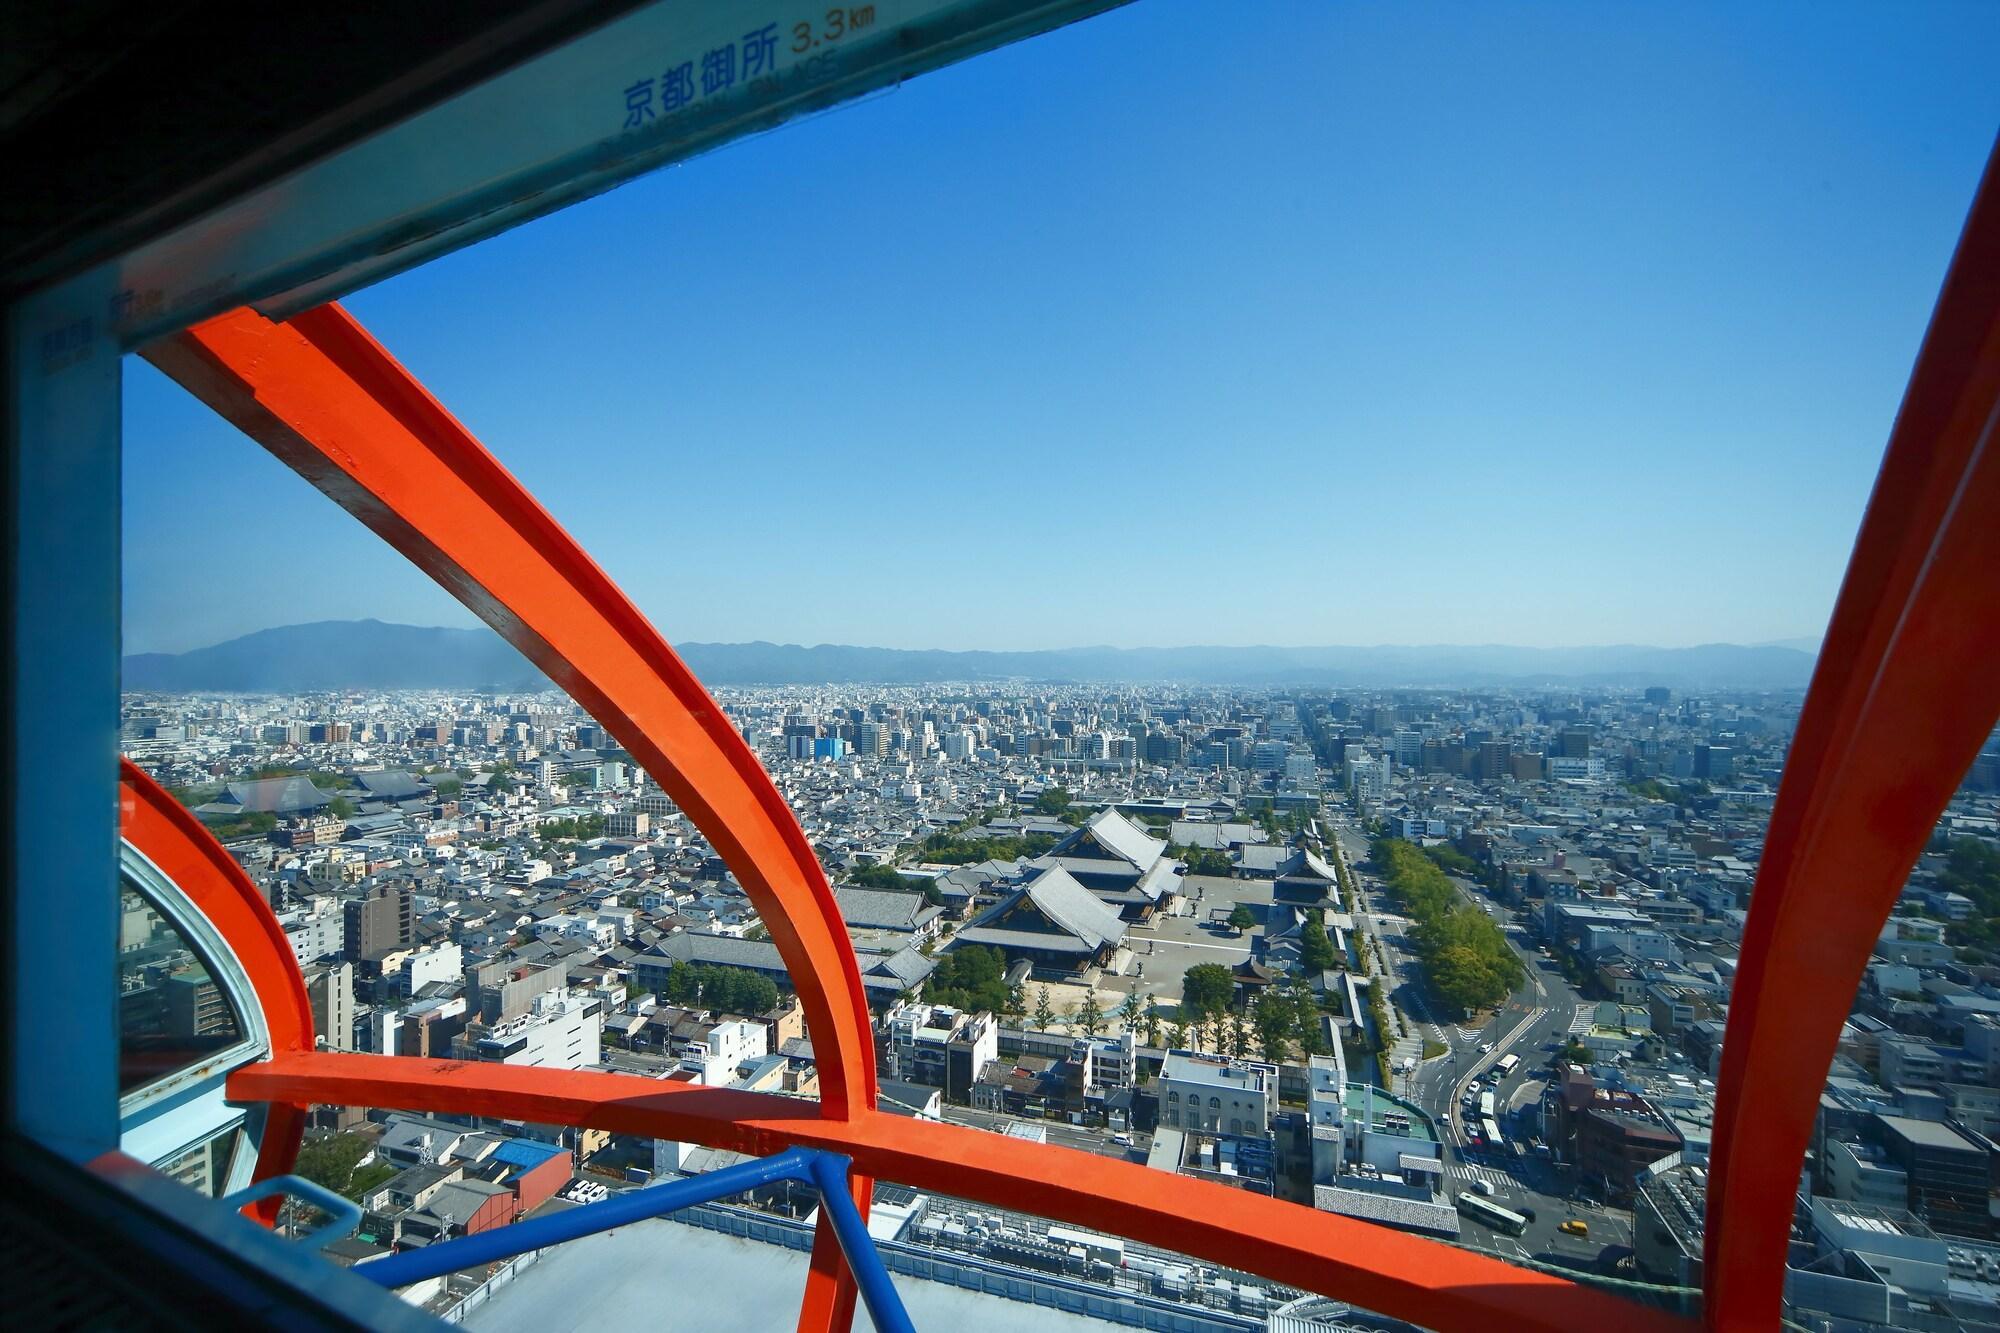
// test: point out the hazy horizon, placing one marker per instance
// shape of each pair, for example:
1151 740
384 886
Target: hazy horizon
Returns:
1804 644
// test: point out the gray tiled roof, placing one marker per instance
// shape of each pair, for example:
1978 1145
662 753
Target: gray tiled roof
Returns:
393 785
1117 835
693 946
883 908
905 967
1068 906
276 796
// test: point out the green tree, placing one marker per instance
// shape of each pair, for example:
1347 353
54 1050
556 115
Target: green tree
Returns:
331 1161
882 876
1090 1018
730 990
1453 860
1206 989
1467 959
971 977
1053 801
1129 1011
1153 1023
1180 1033
1274 1027
1202 860
1016 1005
1045 1012
1242 918
1316 948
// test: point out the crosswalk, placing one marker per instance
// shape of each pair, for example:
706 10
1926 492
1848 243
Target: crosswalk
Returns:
1461 1175
1580 1021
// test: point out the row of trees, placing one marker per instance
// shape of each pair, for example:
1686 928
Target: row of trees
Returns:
580 827
887 877
954 849
1283 1017
1676 792
725 989
1468 961
1202 860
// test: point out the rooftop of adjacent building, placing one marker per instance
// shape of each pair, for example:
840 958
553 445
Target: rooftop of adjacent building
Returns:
1927 1133
720 1284
1382 1112
1189 1067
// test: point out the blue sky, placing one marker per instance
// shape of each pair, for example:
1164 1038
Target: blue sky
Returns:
1330 323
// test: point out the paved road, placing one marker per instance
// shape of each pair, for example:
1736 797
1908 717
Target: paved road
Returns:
1533 1024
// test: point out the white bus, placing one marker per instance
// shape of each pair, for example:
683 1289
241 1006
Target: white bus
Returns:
1485 1106
1492 1133
1492 1214
1508 1064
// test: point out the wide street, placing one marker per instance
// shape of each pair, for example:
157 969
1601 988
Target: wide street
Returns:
1533 1024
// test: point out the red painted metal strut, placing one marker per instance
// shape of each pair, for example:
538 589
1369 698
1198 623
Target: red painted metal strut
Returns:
163 832
1904 692
1392 1272
1906 688
329 401
325 398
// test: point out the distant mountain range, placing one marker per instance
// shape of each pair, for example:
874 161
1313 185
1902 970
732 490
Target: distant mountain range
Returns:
368 654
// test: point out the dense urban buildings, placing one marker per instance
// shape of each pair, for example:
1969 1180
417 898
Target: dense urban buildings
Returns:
1456 961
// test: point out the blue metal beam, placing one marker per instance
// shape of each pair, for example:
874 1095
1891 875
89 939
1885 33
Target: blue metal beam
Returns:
871 1275
827 1171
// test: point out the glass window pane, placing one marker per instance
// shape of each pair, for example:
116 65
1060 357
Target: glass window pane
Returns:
205 1166
171 1012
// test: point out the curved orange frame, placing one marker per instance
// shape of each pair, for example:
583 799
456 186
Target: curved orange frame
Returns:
1906 688
1903 694
162 831
324 397
327 400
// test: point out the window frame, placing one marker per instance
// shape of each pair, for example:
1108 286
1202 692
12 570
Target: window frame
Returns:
188 1108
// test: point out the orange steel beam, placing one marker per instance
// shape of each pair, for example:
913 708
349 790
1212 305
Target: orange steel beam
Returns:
186 853
1906 688
327 400
1391 1272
